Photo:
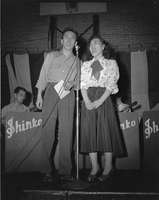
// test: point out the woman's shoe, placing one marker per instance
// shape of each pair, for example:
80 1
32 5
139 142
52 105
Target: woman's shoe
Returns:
105 177
91 177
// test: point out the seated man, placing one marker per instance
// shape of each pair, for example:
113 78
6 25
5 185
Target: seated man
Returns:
122 107
17 105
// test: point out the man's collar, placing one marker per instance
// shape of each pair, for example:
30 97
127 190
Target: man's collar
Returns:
59 53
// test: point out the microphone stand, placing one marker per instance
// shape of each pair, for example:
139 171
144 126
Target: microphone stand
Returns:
77 184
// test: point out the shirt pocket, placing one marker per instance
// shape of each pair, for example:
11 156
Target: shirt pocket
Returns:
55 65
54 70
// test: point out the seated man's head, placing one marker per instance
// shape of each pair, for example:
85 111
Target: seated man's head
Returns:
19 94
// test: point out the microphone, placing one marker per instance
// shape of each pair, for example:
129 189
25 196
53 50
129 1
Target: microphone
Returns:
77 47
33 108
133 104
129 106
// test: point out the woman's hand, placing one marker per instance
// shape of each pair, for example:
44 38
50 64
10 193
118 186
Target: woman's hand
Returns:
97 103
89 105
103 98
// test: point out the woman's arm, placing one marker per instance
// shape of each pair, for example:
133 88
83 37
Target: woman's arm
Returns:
100 101
86 99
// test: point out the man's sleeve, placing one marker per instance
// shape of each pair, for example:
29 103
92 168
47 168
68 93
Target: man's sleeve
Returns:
42 81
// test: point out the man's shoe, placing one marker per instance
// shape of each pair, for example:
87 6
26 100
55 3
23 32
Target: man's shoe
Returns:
68 177
48 178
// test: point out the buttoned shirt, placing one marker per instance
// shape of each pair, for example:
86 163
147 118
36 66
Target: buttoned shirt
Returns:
109 75
57 67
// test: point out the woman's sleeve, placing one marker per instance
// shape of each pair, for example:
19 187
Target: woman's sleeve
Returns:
113 76
84 76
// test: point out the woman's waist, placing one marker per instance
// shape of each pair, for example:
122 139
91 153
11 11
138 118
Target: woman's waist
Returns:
96 88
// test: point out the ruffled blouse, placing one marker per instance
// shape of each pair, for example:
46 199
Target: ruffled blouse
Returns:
109 75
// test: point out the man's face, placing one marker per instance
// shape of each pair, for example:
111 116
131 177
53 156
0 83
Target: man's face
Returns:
69 40
20 96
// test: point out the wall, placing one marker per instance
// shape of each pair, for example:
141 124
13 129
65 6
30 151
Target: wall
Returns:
130 25
126 25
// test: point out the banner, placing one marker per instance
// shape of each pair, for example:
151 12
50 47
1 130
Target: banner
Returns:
129 124
23 142
151 139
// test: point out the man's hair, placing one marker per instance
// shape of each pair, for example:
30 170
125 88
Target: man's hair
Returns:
70 29
17 89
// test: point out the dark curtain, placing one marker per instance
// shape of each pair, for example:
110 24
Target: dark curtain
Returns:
35 62
153 77
124 62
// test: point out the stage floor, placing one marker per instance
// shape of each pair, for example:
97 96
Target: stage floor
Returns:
125 184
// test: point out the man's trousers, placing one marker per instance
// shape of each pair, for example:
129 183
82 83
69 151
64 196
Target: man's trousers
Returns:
63 109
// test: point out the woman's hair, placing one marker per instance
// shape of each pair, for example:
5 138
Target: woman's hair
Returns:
70 29
108 51
17 89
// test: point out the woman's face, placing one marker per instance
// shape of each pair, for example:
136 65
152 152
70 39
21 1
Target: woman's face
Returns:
96 48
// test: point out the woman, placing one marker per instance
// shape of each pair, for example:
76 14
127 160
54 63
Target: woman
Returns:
99 127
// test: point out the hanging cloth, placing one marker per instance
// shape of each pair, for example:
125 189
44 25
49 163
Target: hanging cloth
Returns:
139 81
12 79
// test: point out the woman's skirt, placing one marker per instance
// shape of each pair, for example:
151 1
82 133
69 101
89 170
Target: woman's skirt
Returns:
99 131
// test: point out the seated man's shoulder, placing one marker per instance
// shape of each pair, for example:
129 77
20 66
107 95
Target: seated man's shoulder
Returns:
7 107
26 108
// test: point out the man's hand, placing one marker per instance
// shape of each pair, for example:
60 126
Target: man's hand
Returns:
122 107
68 85
39 102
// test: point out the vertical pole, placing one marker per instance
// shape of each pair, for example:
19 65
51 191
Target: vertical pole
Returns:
77 113
77 184
53 32
95 24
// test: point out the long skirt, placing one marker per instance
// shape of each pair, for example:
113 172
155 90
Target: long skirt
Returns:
99 131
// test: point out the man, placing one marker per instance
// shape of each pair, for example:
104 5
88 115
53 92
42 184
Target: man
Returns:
17 105
58 66
122 107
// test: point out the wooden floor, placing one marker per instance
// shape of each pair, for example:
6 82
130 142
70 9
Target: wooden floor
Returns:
124 185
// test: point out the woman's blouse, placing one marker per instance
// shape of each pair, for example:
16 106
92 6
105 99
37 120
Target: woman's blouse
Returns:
109 75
